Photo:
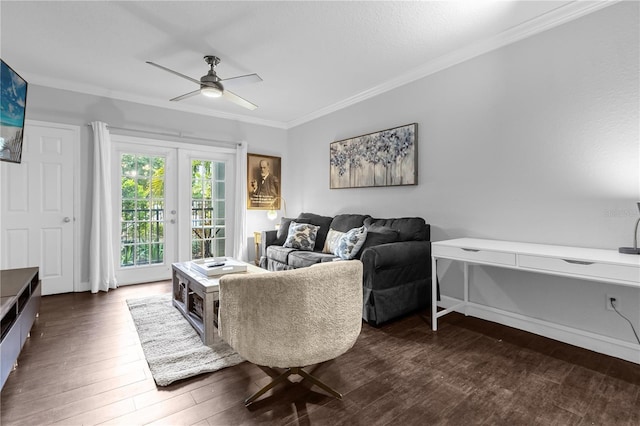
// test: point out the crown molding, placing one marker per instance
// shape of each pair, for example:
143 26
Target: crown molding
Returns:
551 19
145 100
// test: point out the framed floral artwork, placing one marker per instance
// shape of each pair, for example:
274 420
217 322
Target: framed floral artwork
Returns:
385 158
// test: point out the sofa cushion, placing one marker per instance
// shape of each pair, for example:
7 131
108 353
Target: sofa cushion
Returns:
377 235
283 231
279 253
331 243
302 236
302 259
408 228
322 221
350 243
345 222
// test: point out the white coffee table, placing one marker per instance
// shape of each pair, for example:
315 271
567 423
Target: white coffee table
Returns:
195 296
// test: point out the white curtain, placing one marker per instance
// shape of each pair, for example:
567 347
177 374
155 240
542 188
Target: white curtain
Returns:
102 274
239 233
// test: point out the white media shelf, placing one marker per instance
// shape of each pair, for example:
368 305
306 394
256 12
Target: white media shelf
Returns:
606 266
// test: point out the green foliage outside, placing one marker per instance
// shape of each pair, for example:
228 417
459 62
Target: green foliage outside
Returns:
142 215
207 209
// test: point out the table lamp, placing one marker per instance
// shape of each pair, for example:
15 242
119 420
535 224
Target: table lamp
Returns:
271 213
634 249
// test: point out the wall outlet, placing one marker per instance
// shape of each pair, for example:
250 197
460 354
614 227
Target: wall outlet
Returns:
607 301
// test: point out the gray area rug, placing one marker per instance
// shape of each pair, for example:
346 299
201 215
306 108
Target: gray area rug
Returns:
173 349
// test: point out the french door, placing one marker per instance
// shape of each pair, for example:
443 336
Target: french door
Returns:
145 218
206 186
171 206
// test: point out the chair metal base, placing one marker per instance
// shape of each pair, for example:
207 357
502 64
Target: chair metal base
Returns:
283 377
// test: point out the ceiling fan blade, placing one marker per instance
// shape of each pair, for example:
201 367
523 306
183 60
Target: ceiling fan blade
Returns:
230 96
174 72
241 80
186 95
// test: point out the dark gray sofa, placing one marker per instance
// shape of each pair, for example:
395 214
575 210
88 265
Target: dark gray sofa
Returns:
396 259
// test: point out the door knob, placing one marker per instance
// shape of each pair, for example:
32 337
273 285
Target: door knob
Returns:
67 219
172 221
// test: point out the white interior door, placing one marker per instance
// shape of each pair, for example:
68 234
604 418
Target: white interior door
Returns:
37 205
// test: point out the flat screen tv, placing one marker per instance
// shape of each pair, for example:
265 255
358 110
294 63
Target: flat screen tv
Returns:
13 99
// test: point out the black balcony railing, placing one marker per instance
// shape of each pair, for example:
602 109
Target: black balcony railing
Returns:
142 240
204 233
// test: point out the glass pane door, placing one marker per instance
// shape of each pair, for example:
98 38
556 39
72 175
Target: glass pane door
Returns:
208 224
144 196
142 212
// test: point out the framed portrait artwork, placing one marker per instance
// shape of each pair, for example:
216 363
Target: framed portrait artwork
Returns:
263 182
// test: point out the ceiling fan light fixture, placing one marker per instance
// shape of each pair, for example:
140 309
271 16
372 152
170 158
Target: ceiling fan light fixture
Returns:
211 85
211 91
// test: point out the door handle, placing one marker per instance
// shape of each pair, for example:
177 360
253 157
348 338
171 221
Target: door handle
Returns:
468 249
67 219
172 221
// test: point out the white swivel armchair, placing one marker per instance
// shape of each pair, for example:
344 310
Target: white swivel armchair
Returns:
292 319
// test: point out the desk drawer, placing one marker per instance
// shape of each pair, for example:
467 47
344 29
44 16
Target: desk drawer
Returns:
474 255
594 270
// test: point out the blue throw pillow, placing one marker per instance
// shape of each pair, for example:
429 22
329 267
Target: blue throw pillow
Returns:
301 236
350 243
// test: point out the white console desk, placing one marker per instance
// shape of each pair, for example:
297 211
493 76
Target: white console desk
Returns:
600 265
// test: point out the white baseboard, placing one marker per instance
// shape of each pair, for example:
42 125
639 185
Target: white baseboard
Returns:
573 336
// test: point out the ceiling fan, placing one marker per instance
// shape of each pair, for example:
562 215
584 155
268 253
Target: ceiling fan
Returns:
211 85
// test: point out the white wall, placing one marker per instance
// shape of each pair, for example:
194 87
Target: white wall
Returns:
537 141
60 106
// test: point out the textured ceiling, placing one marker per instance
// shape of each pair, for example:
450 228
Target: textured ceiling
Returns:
314 57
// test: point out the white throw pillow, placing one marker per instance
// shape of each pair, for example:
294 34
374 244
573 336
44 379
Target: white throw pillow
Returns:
350 243
331 243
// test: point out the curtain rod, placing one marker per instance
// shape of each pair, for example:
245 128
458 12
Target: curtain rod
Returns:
171 135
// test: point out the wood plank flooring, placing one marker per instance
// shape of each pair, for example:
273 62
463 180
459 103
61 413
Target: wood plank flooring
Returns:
83 365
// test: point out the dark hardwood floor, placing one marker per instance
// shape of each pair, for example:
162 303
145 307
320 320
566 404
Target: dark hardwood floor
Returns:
84 365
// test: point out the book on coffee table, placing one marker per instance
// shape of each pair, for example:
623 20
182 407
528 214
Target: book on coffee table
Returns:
215 266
